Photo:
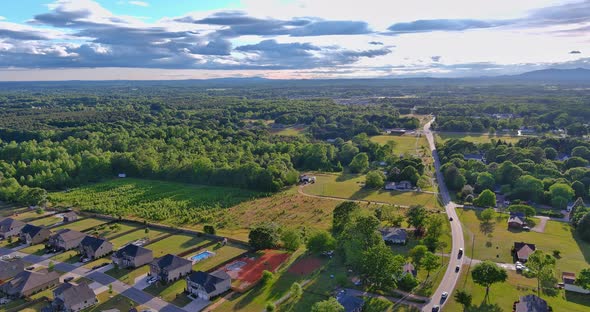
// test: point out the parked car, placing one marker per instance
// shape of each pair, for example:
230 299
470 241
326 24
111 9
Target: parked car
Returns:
68 279
31 268
526 228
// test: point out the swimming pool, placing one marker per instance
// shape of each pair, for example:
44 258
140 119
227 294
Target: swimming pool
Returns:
202 256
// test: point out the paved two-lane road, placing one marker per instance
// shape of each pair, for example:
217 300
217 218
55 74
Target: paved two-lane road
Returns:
450 279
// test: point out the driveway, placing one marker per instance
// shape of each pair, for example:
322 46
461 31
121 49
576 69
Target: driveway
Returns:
141 282
197 305
540 227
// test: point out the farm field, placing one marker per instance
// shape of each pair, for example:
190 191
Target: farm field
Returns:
175 244
405 144
557 236
285 208
153 200
222 254
503 295
442 137
350 186
81 224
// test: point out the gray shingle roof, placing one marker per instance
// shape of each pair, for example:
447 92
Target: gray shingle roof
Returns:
394 233
74 294
132 251
531 303
171 262
92 242
67 234
7 223
32 230
207 280
29 279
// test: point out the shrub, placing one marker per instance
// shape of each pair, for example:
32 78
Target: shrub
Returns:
209 229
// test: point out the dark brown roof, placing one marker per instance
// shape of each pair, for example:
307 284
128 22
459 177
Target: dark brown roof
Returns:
171 262
29 279
74 294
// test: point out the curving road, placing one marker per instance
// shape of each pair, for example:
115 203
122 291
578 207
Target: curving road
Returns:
450 278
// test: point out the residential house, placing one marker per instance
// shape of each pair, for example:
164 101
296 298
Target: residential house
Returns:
65 239
522 251
531 303
409 268
350 303
399 186
27 283
132 256
70 297
94 248
170 267
70 216
10 227
394 235
516 220
9 268
569 280
476 157
208 285
306 179
33 235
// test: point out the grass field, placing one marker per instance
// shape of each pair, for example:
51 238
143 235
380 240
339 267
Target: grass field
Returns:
47 221
222 254
153 200
176 244
287 208
128 275
405 144
25 215
81 224
136 235
503 295
290 131
173 293
442 137
108 301
575 254
350 186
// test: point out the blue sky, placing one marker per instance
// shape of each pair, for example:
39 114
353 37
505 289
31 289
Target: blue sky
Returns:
156 39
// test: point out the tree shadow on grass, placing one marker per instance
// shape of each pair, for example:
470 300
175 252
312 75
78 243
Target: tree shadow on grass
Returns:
584 247
346 176
487 227
485 307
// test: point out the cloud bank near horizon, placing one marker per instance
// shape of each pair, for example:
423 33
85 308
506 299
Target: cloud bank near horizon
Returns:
302 40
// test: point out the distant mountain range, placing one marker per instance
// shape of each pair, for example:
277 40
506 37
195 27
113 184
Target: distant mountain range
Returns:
554 74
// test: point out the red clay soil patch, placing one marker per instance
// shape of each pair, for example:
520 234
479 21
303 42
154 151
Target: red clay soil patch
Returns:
248 271
305 266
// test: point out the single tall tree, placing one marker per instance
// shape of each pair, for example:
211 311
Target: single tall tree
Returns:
488 273
417 217
542 266
429 262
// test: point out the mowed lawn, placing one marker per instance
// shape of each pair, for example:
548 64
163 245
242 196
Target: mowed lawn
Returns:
503 295
172 292
108 301
575 254
153 200
405 144
47 221
222 254
290 131
475 137
128 276
351 186
81 224
136 235
176 244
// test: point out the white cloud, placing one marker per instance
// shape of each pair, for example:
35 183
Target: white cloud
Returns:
139 3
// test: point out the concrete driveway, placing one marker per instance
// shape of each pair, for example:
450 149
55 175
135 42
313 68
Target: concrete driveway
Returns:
141 282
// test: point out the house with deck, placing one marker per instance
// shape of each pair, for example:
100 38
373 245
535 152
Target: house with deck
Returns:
208 285
132 256
170 268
